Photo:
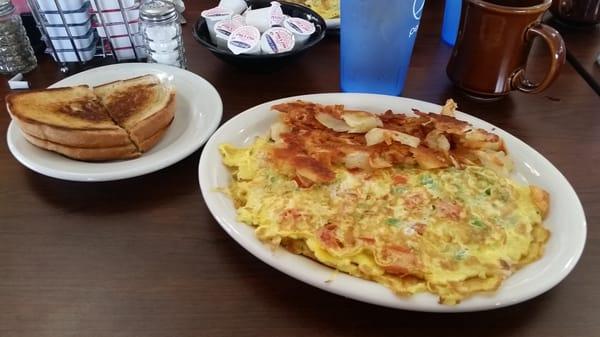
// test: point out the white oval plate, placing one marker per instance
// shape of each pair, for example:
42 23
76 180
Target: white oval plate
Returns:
566 219
198 114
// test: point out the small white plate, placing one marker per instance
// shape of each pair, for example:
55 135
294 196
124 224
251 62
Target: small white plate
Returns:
566 219
198 113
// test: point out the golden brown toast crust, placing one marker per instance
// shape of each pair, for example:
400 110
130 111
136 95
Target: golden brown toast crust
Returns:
149 142
117 81
73 137
88 109
128 100
153 124
86 154
125 104
111 139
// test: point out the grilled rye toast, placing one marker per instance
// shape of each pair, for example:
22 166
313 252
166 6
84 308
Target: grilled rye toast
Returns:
143 106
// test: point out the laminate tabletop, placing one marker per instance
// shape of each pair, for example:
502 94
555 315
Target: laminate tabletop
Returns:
583 48
144 256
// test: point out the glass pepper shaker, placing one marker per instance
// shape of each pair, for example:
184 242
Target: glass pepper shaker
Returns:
16 54
162 33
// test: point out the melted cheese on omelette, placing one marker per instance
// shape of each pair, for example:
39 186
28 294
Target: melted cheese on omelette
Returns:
450 231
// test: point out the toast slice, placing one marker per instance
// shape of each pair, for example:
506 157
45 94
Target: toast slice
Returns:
87 154
144 106
72 116
117 120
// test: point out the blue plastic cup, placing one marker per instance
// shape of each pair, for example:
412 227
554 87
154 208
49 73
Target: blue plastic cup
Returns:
451 21
376 43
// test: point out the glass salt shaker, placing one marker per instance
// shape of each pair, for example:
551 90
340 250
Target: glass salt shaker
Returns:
16 54
162 33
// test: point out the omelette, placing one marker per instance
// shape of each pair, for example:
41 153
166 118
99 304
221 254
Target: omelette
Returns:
420 203
328 9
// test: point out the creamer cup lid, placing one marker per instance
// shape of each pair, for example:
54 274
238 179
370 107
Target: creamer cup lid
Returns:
226 27
277 40
236 6
277 16
299 26
216 13
243 39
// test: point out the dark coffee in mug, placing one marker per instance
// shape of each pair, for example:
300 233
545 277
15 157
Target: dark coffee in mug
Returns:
493 43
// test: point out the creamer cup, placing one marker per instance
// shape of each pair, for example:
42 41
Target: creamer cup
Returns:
277 16
244 40
236 6
302 29
277 40
239 19
214 15
223 30
266 17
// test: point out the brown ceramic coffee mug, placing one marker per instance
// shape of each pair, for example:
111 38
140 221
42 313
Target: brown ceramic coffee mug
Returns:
577 12
493 43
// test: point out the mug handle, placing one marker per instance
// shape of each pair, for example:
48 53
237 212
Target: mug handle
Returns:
556 45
